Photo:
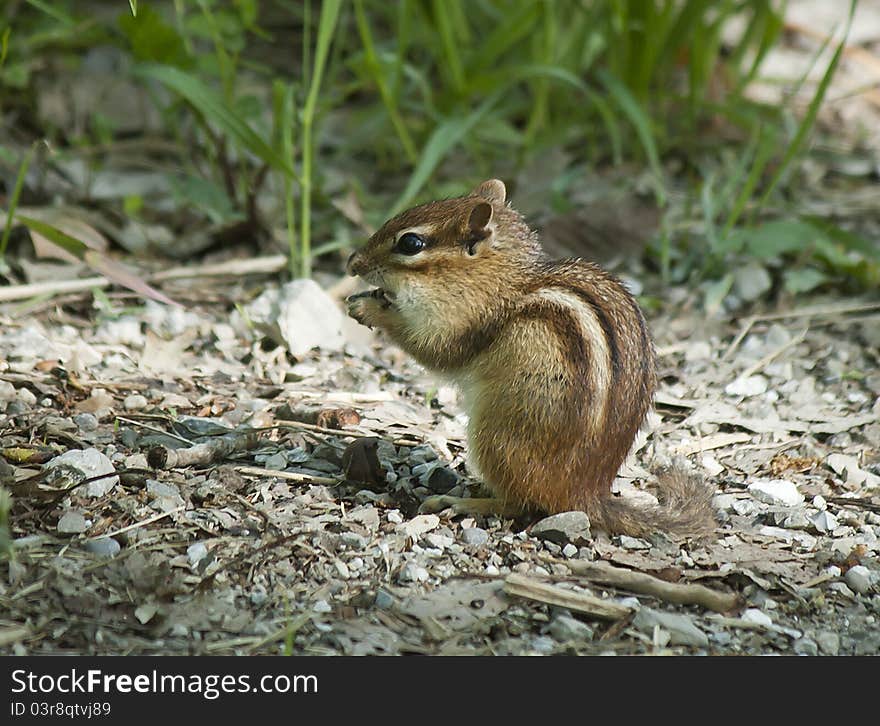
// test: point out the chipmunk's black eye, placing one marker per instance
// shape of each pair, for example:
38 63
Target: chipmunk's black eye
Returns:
410 244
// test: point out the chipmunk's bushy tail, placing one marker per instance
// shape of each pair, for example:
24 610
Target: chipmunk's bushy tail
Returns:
685 509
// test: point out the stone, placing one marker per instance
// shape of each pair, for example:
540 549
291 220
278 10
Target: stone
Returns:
196 552
562 528
441 479
759 617
569 550
353 540
300 316
103 547
474 536
135 402
419 525
777 492
806 646
681 628
73 522
828 642
824 521
384 599
747 387
86 422
565 628
859 579
89 463
413 573
633 543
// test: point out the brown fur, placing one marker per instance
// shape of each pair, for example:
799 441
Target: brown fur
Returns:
554 357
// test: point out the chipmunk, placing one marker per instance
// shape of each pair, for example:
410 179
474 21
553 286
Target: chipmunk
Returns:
553 358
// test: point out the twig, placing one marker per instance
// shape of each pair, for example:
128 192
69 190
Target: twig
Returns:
758 365
522 586
136 525
154 429
161 457
644 584
290 475
235 268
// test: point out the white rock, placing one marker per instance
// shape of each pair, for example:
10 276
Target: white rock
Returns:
135 402
196 553
859 579
711 465
73 522
413 573
824 521
819 502
724 501
777 492
300 316
747 387
419 525
90 462
569 550
322 606
7 392
754 615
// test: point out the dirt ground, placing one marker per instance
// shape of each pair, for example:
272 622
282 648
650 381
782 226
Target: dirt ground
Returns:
295 529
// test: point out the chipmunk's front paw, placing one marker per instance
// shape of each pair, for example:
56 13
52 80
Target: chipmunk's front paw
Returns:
368 307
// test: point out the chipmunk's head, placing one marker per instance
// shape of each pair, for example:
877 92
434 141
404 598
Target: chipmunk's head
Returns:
451 242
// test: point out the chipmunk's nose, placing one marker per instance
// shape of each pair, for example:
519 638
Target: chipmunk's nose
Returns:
350 265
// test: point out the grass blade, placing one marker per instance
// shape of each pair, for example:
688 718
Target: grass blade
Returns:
809 119
642 124
444 138
212 107
13 200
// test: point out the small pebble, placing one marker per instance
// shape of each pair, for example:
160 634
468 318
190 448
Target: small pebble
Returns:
103 547
564 527
859 579
196 552
565 628
86 422
754 615
135 402
73 523
569 550
777 492
474 536
322 606
806 646
828 642
353 540
384 600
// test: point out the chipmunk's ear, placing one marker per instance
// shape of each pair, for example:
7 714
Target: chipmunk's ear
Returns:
478 225
492 190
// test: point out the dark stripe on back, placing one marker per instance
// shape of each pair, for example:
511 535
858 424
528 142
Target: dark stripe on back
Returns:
606 325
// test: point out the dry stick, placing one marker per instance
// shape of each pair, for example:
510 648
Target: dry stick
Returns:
136 525
154 429
161 457
522 586
291 475
644 584
759 365
818 311
234 268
